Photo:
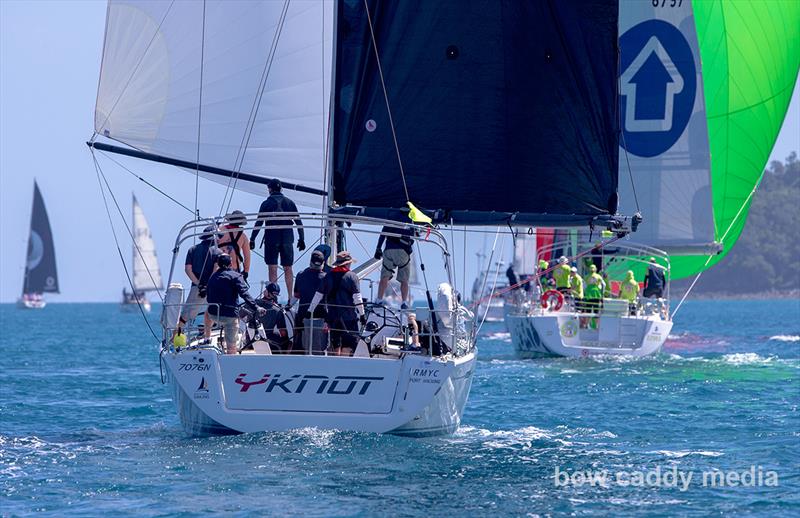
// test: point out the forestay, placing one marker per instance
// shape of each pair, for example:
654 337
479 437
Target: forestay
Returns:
237 85
146 273
665 135
501 109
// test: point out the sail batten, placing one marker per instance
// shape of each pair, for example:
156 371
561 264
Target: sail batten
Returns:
41 275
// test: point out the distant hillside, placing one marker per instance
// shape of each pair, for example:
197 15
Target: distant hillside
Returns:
767 256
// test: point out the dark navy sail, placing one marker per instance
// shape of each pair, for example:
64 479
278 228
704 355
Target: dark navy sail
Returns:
501 108
40 267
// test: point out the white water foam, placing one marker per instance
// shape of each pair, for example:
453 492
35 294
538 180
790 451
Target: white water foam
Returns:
785 338
745 359
685 453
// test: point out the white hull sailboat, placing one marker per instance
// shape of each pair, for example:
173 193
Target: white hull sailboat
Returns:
146 273
40 267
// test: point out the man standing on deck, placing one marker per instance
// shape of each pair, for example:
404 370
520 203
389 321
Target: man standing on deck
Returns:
561 275
233 242
278 242
201 262
305 287
345 307
629 291
225 286
396 257
654 281
595 286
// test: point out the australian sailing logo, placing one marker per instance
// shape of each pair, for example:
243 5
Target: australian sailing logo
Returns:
299 383
202 390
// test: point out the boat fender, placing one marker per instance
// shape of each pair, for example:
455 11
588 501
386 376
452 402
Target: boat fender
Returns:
173 298
552 300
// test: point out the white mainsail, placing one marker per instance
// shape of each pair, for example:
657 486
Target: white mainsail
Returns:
146 273
663 123
238 85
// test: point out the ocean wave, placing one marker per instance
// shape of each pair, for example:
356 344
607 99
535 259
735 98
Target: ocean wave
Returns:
685 453
501 336
746 359
785 338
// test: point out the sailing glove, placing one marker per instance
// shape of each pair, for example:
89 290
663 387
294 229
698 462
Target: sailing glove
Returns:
378 253
245 275
363 320
201 290
301 244
252 244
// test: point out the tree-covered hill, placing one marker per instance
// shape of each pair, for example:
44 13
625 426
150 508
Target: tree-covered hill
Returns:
767 256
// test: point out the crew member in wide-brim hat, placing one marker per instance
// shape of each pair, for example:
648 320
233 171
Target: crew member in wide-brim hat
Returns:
343 258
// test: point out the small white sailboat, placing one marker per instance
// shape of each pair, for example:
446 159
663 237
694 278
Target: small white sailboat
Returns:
41 275
146 272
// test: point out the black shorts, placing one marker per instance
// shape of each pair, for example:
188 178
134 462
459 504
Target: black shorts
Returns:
284 250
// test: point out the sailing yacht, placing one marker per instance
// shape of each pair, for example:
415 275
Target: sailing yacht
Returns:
146 273
40 267
664 170
372 114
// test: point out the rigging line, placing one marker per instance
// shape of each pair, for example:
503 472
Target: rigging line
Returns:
494 286
200 114
136 69
97 171
146 182
488 269
464 258
130 233
386 99
721 240
251 119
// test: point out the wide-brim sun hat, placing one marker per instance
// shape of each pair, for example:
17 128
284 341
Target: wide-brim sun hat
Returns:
343 258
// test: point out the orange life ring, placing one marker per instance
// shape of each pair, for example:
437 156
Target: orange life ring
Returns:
547 297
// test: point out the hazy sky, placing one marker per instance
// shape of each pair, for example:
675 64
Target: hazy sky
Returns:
50 59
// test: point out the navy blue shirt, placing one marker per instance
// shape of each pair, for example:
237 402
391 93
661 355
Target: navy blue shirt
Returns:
203 257
306 285
339 288
224 289
277 203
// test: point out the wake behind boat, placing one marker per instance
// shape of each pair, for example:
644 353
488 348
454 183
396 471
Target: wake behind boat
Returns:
146 272
40 267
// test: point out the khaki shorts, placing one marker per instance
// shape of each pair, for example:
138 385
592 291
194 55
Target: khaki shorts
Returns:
194 305
398 259
230 327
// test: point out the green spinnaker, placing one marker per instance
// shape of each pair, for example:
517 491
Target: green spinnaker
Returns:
750 51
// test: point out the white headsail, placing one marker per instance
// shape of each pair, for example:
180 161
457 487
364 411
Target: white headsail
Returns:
237 85
663 123
146 273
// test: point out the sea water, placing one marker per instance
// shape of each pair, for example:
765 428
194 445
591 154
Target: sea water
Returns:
86 427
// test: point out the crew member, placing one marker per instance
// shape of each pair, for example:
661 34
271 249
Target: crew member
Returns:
655 281
201 262
629 290
595 285
278 241
513 280
305 287
274 319
396 258
562 276
345 308
225 286
233 242
576 287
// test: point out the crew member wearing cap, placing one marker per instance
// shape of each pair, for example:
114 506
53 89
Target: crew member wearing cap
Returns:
561 275
595 287
225 286
274 320
655 281
339 289
201 262
234 242
576 285
305 286
278 242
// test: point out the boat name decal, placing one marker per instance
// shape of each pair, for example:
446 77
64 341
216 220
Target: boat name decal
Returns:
425 373
297 383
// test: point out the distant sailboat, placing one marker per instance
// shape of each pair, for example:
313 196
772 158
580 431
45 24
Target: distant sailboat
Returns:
40 268
146 273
